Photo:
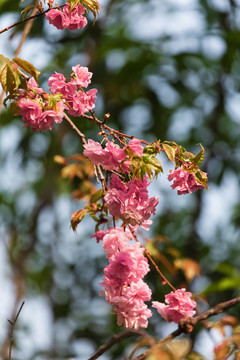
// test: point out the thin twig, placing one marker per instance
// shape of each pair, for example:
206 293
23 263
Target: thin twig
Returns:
97 169
28 18
12 330
116 339
82 136
113 132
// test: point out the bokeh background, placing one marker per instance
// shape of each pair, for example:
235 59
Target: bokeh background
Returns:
166 70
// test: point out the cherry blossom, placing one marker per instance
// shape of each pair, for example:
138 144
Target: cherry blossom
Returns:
130 202
184 182
58 18
112 157
67 19
179 305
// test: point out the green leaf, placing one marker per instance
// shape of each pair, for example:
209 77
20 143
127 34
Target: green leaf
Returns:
3 78
170 152
201 178
154 164
73 3
96 196
28 67
3 62
198 159
11 84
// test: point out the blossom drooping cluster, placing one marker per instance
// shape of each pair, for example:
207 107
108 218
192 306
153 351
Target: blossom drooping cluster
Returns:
35 108
112 157
67 18
40 109
130 202
123 284
179 305
184 182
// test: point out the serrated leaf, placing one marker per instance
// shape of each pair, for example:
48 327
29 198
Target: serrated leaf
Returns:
28 67
155 165
73 3
198 159
170 152
201 178
96 196
93 6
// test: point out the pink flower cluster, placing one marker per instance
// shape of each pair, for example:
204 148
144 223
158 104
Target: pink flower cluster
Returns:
40 109
184 182
179 305
35 110
67 19
130 202
123 285
112 157
78 100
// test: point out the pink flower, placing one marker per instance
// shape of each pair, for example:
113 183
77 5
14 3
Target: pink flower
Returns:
123 286
48 117
33 85
31 112
136 146
75 17
109 158
58 18
115 240
179 305
130 202
46 120
135 316
83 76
81 102
184 182
58 84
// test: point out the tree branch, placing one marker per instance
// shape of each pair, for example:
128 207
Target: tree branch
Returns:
28 18
12 330
186 325
116 339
